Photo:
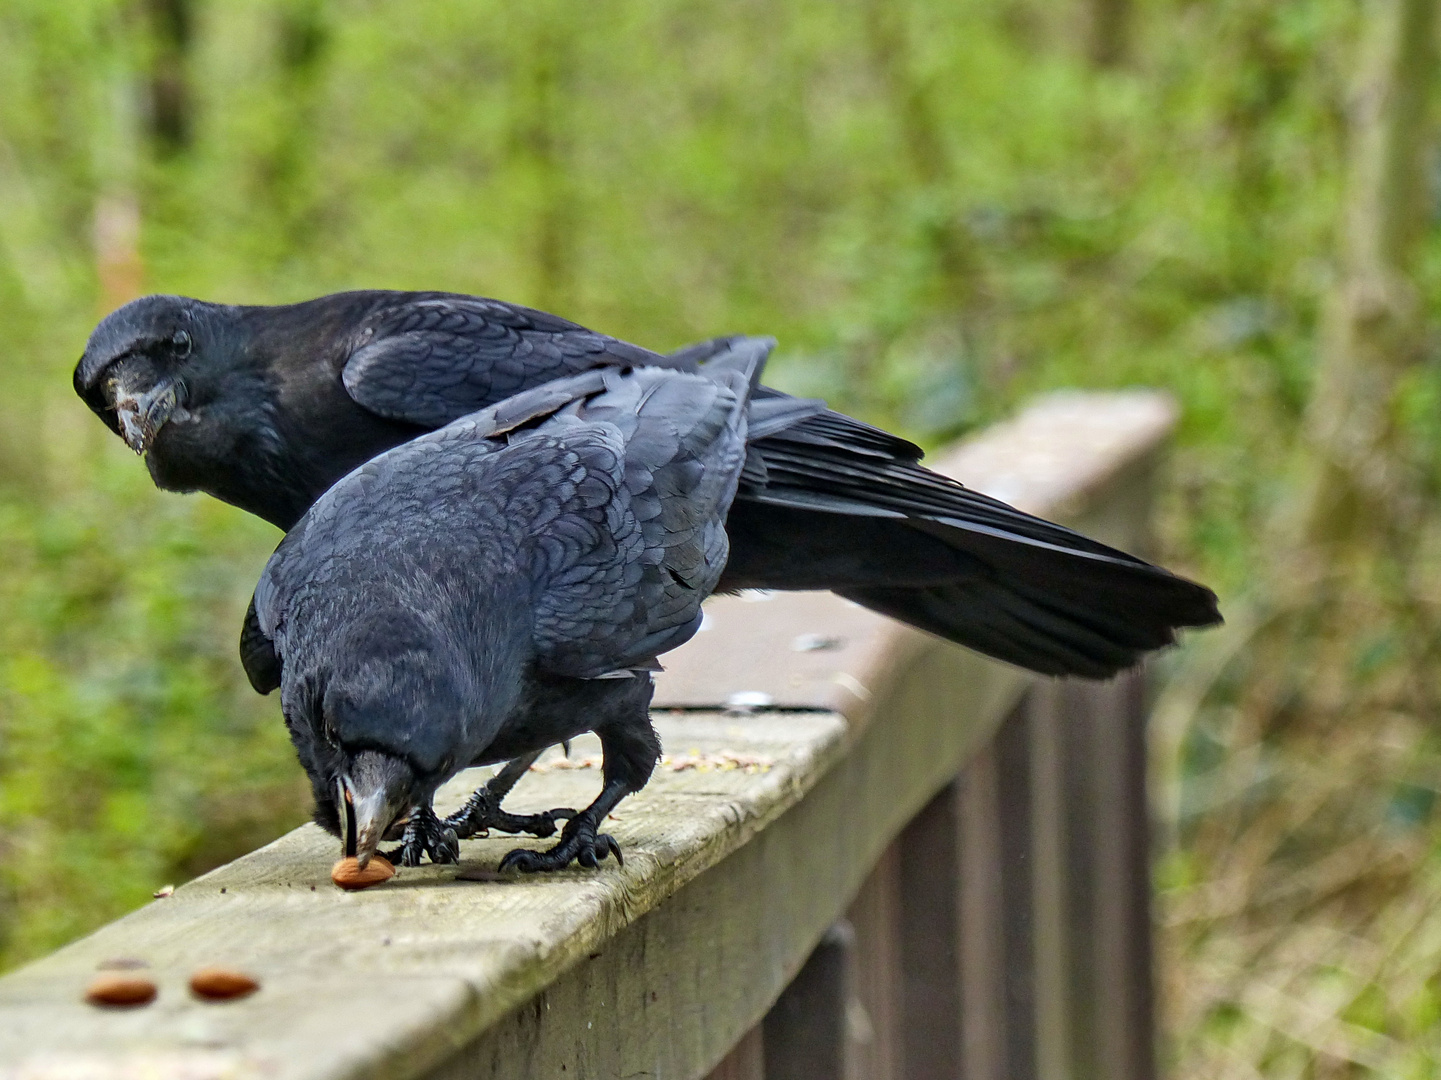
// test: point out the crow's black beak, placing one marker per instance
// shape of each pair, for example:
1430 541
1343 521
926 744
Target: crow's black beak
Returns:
141 415
369 798
345 810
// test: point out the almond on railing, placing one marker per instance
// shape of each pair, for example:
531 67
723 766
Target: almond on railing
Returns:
222 984
348 874
120 989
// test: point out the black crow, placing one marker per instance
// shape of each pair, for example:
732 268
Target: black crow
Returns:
499 585
266 407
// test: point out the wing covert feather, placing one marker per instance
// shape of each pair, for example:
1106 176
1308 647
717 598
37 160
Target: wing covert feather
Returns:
435 359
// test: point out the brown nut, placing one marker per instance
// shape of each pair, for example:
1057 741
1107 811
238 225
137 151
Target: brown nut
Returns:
222 984
348 874
120 989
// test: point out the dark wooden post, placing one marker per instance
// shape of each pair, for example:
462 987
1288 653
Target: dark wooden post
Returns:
1122 927
1013 824
928 854
875 1006
1109 888
982 933
805 1031
1047 716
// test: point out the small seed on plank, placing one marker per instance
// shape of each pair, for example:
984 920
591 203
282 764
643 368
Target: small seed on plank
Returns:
121 990
222 984
348 874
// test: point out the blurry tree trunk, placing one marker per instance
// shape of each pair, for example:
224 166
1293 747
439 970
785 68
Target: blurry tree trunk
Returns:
1373 330
1108 32
171 101
118 266
285 170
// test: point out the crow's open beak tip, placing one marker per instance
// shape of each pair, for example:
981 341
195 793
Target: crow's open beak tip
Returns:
141 416
131 431
345 809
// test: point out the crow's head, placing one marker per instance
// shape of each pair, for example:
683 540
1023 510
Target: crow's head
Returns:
144 361
372 795
363 793
388 722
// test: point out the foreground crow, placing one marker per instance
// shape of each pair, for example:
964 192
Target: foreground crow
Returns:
498 586
266 407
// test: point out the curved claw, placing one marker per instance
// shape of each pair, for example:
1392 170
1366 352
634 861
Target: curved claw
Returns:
481 814
426 834
588 850
522 859
446 848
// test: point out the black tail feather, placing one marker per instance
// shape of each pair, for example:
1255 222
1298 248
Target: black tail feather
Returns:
986 575
1051 618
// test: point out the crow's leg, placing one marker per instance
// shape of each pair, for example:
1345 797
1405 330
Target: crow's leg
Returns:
631 751
426 834
482 811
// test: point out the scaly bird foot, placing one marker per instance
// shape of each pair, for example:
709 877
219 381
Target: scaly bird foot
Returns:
426 834
482 812
578 841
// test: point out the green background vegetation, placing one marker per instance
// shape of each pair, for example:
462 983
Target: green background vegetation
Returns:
939 208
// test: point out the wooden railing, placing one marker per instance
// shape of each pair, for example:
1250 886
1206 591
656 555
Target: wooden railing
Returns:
867 854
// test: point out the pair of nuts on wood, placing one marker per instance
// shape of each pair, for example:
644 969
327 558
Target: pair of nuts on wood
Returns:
125 989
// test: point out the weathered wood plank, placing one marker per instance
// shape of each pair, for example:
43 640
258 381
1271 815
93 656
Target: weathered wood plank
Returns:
732 874
383 982
719 952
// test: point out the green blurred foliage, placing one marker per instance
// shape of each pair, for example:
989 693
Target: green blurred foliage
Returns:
939 208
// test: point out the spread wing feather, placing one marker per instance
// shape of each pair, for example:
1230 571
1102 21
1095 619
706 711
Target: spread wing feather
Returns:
437 357
842 487
674 448
618 485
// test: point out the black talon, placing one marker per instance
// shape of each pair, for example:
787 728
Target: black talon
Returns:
482 811
630 754
426 834
575 846
579 842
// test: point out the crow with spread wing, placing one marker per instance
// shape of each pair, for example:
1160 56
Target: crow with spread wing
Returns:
499 585
267 407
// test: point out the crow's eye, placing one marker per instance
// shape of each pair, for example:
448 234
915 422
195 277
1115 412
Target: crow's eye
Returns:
180 341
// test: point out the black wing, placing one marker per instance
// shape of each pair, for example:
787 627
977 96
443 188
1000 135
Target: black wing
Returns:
435 357
348 504
632 537
626 574
257 654
907 542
